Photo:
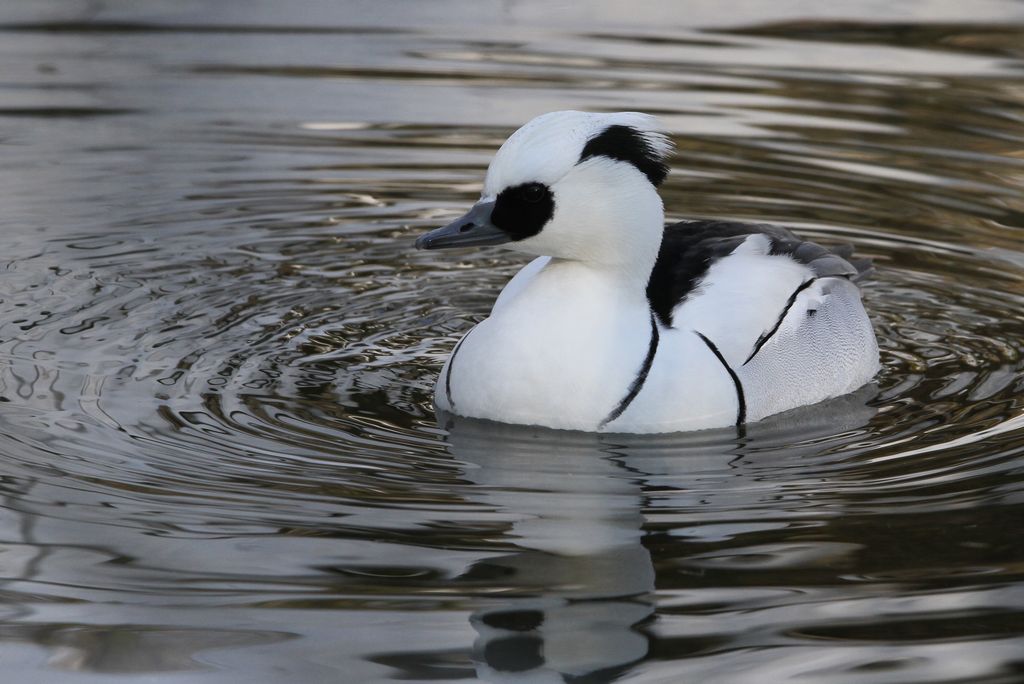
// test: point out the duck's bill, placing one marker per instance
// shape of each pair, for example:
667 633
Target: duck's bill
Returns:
470 230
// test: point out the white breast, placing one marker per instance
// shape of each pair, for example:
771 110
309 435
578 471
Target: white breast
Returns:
546 359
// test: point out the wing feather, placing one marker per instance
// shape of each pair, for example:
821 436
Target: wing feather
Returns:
689 249
736 282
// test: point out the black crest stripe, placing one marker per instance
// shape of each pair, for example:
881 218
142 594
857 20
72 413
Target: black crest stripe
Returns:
641 376
768 335
448 375
741 413
629 145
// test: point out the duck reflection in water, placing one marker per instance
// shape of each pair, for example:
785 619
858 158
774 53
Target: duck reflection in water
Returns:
580 577
578 590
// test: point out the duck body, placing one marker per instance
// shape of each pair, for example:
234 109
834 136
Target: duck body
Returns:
623 325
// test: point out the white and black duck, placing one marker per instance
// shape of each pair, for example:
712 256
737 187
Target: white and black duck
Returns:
624 325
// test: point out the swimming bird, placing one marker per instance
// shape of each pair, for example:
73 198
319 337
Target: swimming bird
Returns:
621 324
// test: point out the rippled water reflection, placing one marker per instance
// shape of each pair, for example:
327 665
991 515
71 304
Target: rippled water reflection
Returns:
217 349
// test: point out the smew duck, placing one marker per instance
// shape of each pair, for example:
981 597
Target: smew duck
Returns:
621 324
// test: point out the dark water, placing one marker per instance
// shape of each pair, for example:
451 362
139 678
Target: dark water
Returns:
220 461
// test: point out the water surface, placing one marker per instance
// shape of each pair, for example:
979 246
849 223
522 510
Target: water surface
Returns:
217 347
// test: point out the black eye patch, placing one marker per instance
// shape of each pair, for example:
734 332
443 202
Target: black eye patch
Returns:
522 210
629 145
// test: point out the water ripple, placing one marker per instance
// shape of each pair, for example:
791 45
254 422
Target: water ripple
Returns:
218 347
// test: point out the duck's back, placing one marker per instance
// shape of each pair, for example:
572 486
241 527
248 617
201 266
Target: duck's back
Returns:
783 316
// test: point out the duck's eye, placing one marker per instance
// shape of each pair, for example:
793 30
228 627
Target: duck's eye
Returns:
532 193
523 210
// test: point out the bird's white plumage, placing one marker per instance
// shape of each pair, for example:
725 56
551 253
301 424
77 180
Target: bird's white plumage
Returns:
741 296
813 357
569 334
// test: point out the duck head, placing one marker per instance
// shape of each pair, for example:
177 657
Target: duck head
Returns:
571 185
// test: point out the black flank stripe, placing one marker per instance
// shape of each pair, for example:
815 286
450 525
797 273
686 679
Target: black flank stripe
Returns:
641 377
448 375
768 335
741 414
